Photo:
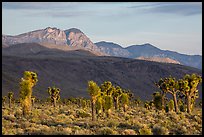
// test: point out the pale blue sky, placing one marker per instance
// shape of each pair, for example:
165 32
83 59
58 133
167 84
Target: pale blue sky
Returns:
166 25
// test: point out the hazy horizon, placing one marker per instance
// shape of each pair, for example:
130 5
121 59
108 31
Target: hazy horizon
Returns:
166 25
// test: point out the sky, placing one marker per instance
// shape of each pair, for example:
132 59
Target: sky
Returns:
175 26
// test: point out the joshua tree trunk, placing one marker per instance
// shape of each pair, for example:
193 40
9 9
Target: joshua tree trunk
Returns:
33 103
26 106
92 110
54 100
175 102
116 103
125 107
10 103
188 104
163 104
108 113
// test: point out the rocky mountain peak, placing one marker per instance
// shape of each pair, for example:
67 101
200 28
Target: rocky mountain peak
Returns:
74 30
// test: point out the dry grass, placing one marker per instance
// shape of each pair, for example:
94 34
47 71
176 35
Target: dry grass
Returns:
72 120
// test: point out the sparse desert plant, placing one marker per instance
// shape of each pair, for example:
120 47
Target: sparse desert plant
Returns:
54 94
159 130
129 132
145 131
106 131
28 81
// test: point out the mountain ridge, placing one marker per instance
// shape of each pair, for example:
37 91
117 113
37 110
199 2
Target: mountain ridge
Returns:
74 37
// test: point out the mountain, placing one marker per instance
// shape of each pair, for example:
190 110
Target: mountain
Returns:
159 59
71 70
76 38
38 50
52 36
112 49
148 51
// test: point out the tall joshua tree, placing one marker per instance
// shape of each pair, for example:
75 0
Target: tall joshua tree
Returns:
94 92
124 100
27 83
169 85
116 95
173 90
188 86
162 85
10 97
54 94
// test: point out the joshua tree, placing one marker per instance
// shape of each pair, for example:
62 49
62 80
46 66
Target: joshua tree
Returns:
99 105
188 86
10 97
173 89
54 94
157 98
107 88
4 100
162 85
94 92
169 85
28 81
171 105
124 100
108 104
116 95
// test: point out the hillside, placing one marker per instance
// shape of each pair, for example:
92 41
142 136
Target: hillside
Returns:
149 51
159 59
71 70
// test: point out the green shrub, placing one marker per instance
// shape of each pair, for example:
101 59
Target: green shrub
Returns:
129 132
82 114
171 105
160 130
145 131
113 123
106 131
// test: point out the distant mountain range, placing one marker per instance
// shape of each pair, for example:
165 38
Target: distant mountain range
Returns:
70 70
75 39
149 51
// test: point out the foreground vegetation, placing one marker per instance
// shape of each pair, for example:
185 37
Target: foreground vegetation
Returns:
110 110
72 119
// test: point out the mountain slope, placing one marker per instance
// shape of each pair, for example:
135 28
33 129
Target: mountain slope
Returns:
147 50
52 36
71 73
112 49
159 59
